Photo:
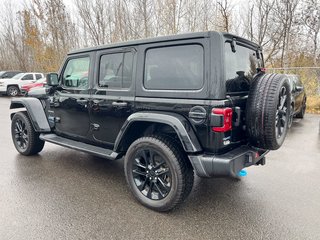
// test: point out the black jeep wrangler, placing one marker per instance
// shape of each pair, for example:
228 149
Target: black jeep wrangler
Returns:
172 106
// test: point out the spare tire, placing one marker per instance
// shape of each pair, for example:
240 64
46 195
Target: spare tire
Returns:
268 110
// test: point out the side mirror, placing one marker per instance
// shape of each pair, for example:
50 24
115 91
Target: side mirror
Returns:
299 88
52 79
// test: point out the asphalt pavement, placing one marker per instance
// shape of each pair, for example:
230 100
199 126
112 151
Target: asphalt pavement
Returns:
65 194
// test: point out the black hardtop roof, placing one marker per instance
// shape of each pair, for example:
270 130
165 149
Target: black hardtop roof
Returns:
184 36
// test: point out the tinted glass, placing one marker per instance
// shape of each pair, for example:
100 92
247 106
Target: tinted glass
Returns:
240 67
18 76
116 70
38 76
27 77
175 67
76 72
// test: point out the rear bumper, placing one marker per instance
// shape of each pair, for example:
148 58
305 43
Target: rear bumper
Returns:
228 164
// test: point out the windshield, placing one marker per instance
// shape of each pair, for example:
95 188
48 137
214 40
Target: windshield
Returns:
1 73
240 67
18 76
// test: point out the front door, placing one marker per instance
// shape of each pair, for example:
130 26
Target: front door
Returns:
71 99
113 94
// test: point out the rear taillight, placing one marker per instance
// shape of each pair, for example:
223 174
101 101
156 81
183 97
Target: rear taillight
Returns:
226 115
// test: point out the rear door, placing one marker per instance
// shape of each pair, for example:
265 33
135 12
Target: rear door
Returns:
71 99
113 93
27 78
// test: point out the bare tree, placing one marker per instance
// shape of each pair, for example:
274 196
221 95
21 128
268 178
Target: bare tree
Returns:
225 8
311 19
285 15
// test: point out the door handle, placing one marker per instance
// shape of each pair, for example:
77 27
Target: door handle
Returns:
119 104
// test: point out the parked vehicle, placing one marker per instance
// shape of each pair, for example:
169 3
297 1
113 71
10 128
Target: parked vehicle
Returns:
172 106
298 98
8 74
39 83
12 86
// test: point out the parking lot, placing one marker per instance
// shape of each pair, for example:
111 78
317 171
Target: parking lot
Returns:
65 194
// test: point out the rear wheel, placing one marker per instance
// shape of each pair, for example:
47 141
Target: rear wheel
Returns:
26 140
13 91
158 173
268 111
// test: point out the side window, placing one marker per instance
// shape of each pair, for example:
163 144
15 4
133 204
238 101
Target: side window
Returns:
75 74
38 76
116 70
27 77
174 67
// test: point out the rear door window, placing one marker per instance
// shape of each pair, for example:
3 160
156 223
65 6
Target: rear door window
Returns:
116 70
38 76
27 77
174 68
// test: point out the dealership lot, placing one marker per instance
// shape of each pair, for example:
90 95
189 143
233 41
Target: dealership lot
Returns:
65 194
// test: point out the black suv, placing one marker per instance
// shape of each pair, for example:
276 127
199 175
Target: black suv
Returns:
298 98
171 106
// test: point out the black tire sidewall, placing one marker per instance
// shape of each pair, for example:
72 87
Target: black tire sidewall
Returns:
35 144
165 152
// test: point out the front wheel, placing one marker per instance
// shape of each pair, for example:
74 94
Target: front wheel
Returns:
24 137
12 91
158 173
303 109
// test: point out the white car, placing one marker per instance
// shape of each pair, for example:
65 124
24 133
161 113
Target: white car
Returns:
12 86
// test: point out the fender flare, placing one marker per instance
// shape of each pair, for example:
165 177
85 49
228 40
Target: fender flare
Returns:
181 126
35 111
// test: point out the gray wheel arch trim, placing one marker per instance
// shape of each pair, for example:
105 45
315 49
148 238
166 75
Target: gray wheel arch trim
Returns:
181 126
35 111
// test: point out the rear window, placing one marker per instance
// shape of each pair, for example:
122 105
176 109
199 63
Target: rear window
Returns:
174 67
240 67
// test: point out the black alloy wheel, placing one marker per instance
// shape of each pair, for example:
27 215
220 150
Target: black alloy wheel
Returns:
21 134
282 113
291 113
151 174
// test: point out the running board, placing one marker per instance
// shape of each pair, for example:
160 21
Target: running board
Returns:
65 142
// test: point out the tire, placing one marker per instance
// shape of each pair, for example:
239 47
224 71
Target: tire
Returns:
25 139
158 172
302 110
12 91
268 111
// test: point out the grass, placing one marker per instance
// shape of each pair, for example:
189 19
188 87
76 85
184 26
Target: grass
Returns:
313 104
